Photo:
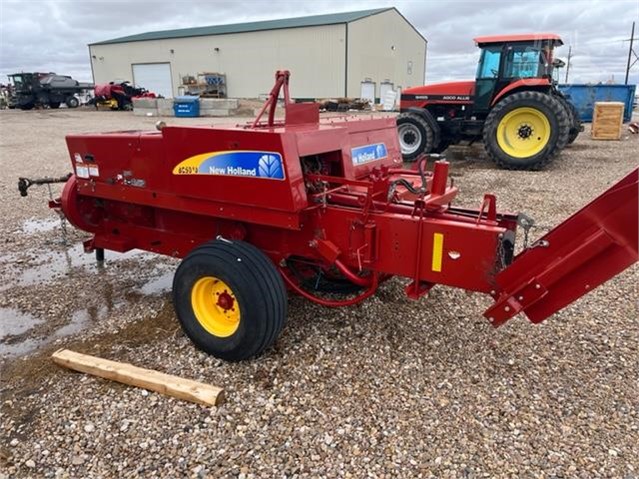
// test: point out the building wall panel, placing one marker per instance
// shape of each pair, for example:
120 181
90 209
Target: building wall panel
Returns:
314 55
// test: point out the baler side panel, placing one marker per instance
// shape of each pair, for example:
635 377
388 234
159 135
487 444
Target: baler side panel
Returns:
464 255
371 149
284 194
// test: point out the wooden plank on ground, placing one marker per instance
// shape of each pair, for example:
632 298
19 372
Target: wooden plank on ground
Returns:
175 386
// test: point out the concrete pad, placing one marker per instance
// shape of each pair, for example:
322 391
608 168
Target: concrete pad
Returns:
145 103
145 111
214 112
218 104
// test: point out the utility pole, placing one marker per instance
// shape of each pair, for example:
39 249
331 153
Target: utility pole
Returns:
568 62
630 52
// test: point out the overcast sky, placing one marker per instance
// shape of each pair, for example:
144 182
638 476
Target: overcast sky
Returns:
50 35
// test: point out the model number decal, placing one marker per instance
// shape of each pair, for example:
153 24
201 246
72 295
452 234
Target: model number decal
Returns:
185 170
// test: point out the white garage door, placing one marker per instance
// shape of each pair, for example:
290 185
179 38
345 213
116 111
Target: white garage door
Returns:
155 77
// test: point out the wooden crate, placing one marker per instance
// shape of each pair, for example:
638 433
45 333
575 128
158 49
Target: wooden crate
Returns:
607 120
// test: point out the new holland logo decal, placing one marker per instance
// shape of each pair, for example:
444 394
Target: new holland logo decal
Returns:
368 153
248 164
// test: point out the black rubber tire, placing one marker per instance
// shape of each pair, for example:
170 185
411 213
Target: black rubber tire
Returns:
554 111
427 134
54 104
72 102
27 106
257 285
575 124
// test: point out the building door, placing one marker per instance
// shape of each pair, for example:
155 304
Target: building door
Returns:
155 77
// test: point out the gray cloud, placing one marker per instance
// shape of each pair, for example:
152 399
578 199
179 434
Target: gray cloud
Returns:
50 35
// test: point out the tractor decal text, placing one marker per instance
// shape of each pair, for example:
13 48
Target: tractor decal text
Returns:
249 164
368 153
411 97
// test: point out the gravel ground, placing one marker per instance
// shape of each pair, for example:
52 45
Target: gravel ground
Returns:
389 388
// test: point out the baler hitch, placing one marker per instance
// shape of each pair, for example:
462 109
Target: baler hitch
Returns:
25 183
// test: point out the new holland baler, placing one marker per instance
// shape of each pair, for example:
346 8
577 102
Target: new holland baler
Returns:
323 209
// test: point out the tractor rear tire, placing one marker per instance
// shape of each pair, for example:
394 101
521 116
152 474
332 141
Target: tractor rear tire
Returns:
526 130
230 299
415 136
575 125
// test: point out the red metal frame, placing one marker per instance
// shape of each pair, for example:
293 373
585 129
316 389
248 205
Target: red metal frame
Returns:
342 200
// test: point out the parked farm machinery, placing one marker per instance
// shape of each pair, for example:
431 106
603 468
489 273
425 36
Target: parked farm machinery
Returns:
118 96
513 106
29 90
323 209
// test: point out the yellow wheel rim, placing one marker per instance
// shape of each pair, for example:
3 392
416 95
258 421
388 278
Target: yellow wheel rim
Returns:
215 306
523 132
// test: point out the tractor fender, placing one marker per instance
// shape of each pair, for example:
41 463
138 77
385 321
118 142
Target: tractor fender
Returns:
428 118
522 84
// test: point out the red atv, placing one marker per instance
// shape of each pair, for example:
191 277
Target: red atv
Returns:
513 105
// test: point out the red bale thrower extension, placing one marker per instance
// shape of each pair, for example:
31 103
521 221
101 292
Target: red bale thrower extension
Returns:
316 207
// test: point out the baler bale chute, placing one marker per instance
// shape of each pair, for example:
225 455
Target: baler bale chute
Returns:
314 206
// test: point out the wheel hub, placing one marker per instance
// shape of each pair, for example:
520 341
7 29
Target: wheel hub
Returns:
525 131
225 300
410 138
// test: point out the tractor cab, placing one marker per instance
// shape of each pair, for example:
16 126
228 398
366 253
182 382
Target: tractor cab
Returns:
512 61
512 106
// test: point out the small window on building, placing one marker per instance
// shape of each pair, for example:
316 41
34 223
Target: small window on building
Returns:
409 69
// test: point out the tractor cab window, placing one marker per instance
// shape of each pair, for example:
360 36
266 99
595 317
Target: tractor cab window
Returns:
15 80
489 62
524 61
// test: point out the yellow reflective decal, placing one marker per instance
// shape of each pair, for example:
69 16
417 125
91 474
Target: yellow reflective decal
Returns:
438 248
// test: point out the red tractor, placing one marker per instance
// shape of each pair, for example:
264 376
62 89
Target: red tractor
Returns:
512 105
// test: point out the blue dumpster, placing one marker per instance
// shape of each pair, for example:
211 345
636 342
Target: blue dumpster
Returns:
186 106
584 96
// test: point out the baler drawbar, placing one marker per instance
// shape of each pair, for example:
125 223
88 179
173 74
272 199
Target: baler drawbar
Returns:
325 209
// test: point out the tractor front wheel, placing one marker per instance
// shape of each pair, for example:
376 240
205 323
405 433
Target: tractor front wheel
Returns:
72 102
526 130
415 136
230 299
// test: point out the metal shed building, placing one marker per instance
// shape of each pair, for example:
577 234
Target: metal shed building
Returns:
343 54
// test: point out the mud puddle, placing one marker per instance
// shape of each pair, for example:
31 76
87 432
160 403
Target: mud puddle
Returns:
24 328
34 225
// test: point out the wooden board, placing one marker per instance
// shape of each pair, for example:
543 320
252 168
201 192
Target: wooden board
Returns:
607 120
144 378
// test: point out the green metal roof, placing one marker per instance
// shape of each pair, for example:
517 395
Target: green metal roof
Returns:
312 21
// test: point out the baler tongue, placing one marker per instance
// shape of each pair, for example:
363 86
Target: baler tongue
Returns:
593 245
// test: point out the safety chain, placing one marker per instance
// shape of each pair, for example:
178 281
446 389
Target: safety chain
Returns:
63 220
